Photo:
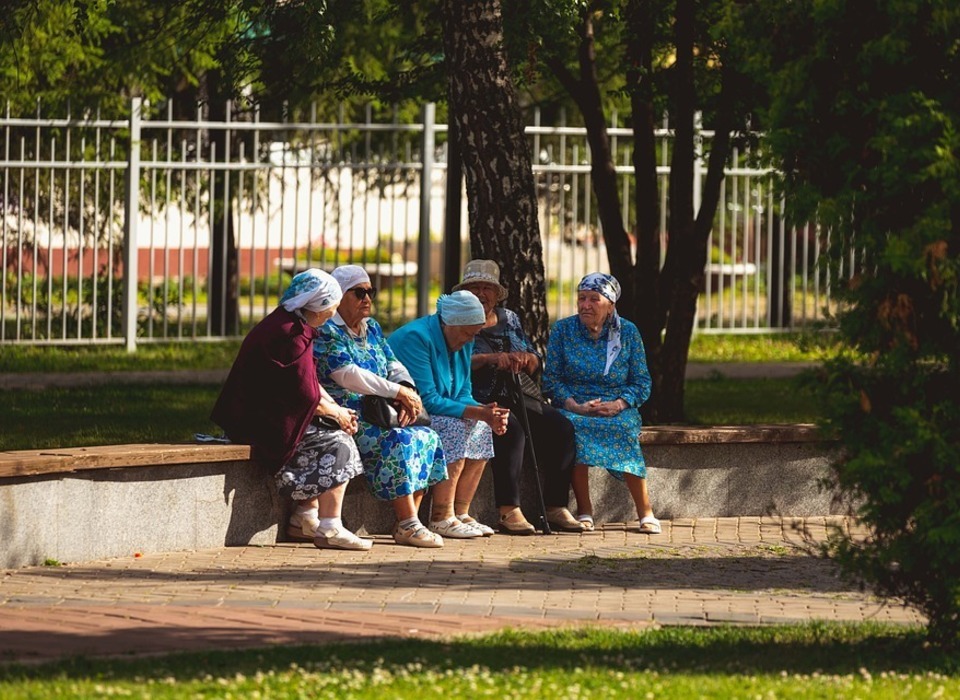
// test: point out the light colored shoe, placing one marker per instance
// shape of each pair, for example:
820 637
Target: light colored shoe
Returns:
302 529
468 519
562 519
340 538
513 523
587 520
454 529
649 525
417 536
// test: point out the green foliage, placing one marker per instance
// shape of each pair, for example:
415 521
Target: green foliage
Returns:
864 122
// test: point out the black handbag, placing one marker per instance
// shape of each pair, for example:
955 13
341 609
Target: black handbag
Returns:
383 412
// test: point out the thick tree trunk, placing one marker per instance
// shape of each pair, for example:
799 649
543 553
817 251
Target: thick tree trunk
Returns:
645 304
502 203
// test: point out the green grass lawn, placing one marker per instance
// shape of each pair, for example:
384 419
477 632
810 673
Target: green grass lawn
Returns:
215 355
113 414
808 661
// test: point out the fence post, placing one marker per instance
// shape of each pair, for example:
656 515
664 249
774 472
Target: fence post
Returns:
426 186
131 216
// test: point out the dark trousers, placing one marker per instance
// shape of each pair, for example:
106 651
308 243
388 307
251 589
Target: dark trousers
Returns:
556 450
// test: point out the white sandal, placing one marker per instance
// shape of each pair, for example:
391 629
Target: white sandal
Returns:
468 519
587 520
649 525
417 536
301 528
454 529
340 538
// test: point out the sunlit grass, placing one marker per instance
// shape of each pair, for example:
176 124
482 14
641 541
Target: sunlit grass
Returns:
220 354
815 660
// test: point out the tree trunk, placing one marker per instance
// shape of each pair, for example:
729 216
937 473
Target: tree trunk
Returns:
223 305
645 304
585 90
502 203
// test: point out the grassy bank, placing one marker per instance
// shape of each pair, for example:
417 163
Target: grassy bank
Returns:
815 660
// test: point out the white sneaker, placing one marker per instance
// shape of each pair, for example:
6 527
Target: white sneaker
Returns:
454 529
340 538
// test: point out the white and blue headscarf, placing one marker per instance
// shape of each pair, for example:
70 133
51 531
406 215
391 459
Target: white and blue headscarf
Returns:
313 290
461 308
607 286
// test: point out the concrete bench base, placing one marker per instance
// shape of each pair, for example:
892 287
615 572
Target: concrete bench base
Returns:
89 503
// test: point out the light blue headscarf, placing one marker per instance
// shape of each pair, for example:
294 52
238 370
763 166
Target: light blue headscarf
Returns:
461 308
313 290
608 287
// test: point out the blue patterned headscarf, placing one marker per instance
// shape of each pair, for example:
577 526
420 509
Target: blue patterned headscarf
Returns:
605 284
461 308
608 287
313 290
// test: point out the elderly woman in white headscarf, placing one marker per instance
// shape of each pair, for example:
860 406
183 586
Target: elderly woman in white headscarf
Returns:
596 373
436 350
272 401
354 360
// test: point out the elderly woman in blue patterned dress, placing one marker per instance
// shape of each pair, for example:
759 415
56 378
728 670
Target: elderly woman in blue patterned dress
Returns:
273 402
437 350
353 360
597 374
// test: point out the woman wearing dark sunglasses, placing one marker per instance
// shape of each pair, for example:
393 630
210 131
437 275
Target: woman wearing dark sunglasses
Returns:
353 360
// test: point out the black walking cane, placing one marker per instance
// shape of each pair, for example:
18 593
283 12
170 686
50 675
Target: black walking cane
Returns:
525 422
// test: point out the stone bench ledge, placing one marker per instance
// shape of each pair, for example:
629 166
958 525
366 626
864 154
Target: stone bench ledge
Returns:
70 459
730 434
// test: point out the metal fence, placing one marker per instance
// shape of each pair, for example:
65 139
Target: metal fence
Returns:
240 204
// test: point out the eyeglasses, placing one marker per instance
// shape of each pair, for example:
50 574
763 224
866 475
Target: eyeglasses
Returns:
361 292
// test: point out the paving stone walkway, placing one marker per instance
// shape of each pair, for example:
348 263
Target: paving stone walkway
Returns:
701 572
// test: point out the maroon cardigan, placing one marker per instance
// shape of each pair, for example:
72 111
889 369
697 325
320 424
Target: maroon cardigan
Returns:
272 391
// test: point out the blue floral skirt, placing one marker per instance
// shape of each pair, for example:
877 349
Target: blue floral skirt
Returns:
400 461
463 438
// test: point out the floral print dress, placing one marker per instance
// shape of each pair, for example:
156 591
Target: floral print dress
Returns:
397 461
575 369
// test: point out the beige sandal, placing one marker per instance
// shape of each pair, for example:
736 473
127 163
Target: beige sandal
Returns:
587 520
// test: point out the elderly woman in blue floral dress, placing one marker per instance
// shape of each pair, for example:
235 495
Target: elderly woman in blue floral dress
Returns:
353 360
596 372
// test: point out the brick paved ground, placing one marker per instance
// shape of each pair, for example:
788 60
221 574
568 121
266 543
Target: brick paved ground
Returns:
704 571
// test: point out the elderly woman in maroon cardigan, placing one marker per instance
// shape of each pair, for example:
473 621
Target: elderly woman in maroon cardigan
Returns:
273 402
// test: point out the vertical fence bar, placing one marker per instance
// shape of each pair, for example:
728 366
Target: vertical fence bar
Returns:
426 179
131 218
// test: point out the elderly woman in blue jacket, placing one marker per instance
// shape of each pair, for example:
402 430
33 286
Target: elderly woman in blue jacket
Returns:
437 350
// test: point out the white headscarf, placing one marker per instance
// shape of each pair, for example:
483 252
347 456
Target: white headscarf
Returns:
461 308
349 276
312 290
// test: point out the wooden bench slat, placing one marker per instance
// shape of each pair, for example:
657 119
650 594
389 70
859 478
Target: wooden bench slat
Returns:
56 461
